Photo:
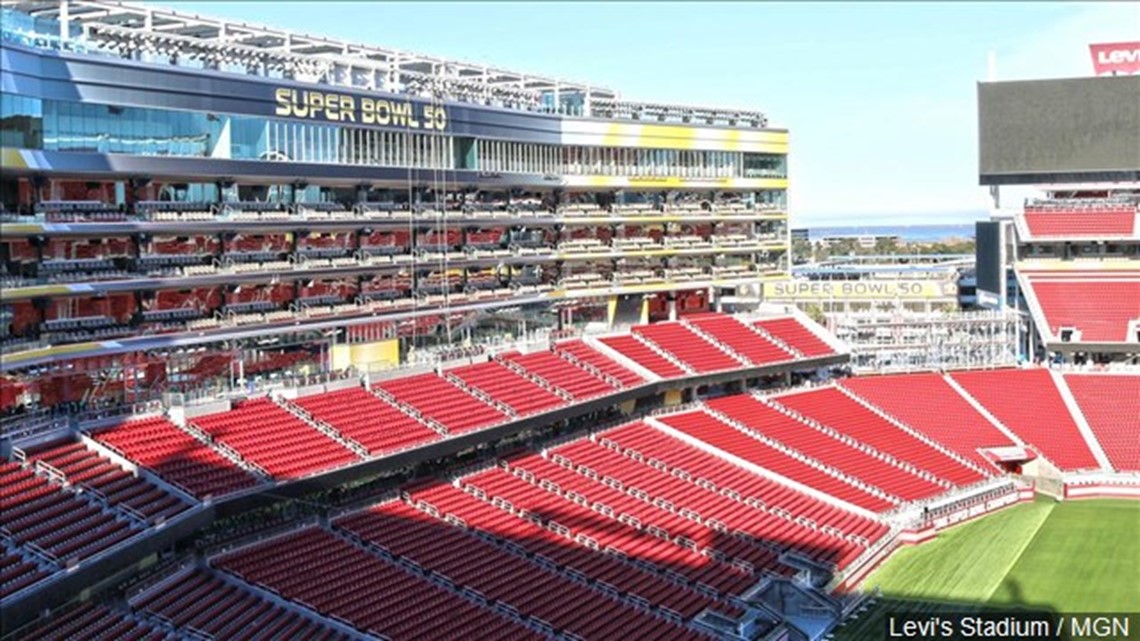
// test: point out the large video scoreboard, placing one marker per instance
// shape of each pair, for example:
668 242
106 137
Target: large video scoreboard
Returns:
1059 131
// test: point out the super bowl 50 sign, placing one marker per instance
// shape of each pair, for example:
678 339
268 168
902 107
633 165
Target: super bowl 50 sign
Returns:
337 107
819 290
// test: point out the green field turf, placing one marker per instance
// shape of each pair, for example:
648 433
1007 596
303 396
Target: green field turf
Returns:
1076 556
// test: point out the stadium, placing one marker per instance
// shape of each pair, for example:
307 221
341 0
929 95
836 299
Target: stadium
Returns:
315 339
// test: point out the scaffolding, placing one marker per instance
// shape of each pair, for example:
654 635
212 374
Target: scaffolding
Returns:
906 341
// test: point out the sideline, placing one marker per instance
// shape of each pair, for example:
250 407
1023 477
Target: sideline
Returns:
1025 546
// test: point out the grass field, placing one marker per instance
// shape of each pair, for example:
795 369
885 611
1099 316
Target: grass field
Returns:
1076 556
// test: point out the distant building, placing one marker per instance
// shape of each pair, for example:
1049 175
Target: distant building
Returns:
866 241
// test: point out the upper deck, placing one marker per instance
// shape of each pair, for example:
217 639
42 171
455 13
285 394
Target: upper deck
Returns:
144 33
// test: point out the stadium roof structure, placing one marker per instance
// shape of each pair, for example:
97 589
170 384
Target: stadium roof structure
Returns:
128 28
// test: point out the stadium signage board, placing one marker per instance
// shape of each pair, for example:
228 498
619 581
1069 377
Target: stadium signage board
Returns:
339 107
1115 57
799 290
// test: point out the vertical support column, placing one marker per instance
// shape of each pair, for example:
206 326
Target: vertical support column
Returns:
64 19
137 317
39 243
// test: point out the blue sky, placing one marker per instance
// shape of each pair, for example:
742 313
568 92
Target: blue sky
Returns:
879 97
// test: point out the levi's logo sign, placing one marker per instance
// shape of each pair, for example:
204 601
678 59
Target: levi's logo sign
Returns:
1118 57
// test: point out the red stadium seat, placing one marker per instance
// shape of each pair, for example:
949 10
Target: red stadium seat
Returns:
1028 403
161 446
1111 405
442 401
282 444
795 335
927 403
369 420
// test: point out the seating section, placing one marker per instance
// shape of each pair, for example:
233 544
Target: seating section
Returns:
268 435
652 549
547 547
341 580
650 514
714 474
641 354
1028 403
530 589
89 470
370 421
740 338
583 354
162 447
200 600
928 404
1100 308
725 438
442 401
1111 405
92 621
773 525
35 512
795 335
687 346
17 572
1115 221
833 452
503 384
562 374
836 410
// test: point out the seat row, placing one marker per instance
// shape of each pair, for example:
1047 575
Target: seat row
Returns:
34 511
1100 308
1096 224
653 448
369 420
556 550
794 334
1111 405
652 549
91 622
725 438
643 355
440 400
833 408
338 579
200 600
646 509
787 526
827 449
1027 402
505 385
928 404
502 577
273 438
563 374
688 347
159 445
740 338
16 573
83 466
